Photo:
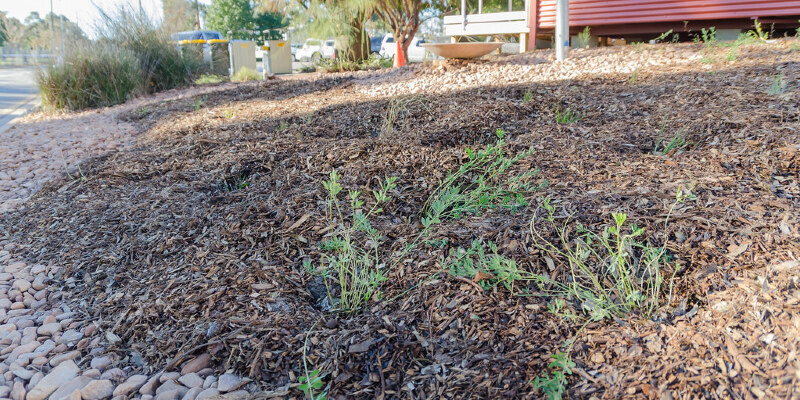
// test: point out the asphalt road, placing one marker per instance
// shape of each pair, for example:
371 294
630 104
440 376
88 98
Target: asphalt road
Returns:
17 92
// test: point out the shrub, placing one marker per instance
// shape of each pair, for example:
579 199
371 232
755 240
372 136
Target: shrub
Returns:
209 79
131 56
161 63
611 273
373 62
246 74
97 77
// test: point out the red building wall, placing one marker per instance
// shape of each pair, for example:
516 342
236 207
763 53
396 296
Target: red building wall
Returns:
618 17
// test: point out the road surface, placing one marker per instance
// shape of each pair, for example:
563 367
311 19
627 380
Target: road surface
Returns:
17 93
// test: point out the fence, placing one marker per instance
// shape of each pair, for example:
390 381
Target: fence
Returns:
10 56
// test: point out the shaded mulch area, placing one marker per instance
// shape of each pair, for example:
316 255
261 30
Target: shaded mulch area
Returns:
194 240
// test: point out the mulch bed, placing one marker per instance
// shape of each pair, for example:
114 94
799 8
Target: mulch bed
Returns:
158 247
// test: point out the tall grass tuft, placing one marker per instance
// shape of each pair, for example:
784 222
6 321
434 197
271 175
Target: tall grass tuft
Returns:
131 56
88 78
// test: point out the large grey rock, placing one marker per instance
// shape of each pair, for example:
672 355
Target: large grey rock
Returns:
49 329
18 391
149 388
97 390
63 373
173 394
210 392
65 391
171 385
228 382
57 360
114 375
101 363
169 376
200 362
191 380
192 393
132 384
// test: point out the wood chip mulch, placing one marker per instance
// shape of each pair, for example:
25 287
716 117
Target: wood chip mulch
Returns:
176 265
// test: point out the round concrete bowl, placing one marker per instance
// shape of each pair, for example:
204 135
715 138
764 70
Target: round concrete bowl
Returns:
462 50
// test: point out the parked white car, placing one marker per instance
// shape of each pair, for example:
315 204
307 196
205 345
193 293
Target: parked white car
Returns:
416 53
315 49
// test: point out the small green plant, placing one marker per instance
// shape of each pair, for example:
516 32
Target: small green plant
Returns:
352 256
553 384
634 75
527 96
559 307
373 62
779 85
283 126
612 274
677 142
234 183
759 32
488 269
732 55
307 69
230 113
308 118
483 182
663 37
566 115
584 37
142 110
396 110
709 36
245 74
206 79
198 102
311 381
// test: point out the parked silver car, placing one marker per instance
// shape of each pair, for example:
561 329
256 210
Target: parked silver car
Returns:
316 49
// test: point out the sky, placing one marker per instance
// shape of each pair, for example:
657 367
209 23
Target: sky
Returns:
84 12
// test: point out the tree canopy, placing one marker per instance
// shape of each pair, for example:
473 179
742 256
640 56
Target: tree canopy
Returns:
240 18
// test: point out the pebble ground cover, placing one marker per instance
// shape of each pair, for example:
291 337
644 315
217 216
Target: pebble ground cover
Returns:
189 261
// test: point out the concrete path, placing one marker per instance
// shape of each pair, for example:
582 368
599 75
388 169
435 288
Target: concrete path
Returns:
18 93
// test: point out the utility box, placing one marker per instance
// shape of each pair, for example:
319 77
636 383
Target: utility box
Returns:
243 55
280 56
219 56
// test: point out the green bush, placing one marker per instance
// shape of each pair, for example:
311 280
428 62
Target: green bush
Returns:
96 77
246 74
161 63
131 56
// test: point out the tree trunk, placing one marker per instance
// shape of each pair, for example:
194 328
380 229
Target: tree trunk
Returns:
404 35
359 46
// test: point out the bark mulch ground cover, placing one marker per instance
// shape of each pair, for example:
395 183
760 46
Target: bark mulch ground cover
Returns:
199 237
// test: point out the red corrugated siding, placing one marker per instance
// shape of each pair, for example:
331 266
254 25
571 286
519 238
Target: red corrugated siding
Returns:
612 12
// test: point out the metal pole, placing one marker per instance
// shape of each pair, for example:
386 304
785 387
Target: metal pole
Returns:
562 29
61 56
511 5
52 34
463 14
480 6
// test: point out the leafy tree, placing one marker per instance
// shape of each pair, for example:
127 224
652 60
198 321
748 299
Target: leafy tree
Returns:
11 30
234 16
38 33
179 15
345 20
404 16
239 17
